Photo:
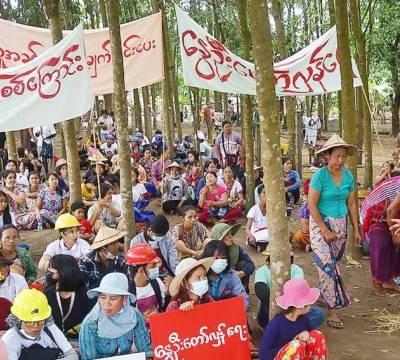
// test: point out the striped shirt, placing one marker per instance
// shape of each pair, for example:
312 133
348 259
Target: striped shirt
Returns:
382 196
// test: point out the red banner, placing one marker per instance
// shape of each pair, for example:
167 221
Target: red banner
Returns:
211 331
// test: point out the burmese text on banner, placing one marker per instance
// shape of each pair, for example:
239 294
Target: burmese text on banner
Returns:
141 42
208 64
216 330
51 88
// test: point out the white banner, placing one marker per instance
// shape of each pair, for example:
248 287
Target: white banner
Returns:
51 88
141 42
210 65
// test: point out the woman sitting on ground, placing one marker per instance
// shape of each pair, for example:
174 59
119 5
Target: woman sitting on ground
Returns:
387 170
33 190
235 190
190 236
21 178
106 207
240 261
146 161
61 169
139 191
113 326
33 334
33 157
290 334
223 281
25 220
6 214
25 167
214 203
194 175
51 202
66 294
99 170
209 166
302 236
23 263
69 242
190 287
292 182
175 189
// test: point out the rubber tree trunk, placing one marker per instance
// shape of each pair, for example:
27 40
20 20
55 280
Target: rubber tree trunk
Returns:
347 96
52 8
121 112
245 38
177 108
137 110
168 111
147 113
362 67
11 145
276 11
271 150
153 107
108 102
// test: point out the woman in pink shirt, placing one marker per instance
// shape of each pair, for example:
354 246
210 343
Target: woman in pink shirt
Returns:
214 203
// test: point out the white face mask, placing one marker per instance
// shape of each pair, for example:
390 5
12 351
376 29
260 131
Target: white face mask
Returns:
199 287
23 332
110 256
219 265
8 185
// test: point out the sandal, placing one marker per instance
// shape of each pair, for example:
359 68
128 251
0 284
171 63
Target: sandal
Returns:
334 324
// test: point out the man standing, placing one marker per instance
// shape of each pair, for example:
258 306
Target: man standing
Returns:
229 147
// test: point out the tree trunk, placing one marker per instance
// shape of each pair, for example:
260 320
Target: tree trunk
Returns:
174 85
108 102
11 145
225 106
366 126
121 113
245 38
137 111
168 112
52 8
276 11
327 109
347 93
147 113
271 160
153 106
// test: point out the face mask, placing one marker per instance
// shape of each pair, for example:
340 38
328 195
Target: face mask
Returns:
2 277
157 238
23 332
49 278
8 185
199 287
110 256
175 177
219 265
154 273
286 170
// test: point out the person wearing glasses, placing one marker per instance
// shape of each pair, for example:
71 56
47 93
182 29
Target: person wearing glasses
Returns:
32 333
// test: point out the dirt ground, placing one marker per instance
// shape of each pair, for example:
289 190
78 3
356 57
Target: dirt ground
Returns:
348 343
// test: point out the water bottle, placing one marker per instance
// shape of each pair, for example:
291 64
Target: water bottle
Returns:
40 225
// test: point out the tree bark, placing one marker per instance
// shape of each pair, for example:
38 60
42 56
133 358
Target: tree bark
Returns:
52 8
276 12
137 111
347 97
270 140
177 109
11 145
366 126
153 107
245 38
121 113
147 113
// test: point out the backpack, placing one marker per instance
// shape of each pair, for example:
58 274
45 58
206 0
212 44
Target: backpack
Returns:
157 291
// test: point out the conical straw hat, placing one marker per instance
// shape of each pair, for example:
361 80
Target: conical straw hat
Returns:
336 141
105 236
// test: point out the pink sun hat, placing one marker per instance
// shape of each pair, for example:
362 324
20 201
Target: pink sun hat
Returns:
297 293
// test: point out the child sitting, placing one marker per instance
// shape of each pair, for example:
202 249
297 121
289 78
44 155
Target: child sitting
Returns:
139 191
89 190
143 264
78 210
290 335
175 189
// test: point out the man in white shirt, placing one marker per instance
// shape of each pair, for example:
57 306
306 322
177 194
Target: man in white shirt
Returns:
10 284
106 122
109 148
205 148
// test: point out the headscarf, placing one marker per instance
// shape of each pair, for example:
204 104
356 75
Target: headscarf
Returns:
113 327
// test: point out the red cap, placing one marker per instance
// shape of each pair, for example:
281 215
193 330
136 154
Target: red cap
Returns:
141 254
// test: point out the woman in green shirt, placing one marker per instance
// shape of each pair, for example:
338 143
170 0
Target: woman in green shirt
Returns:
331 200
